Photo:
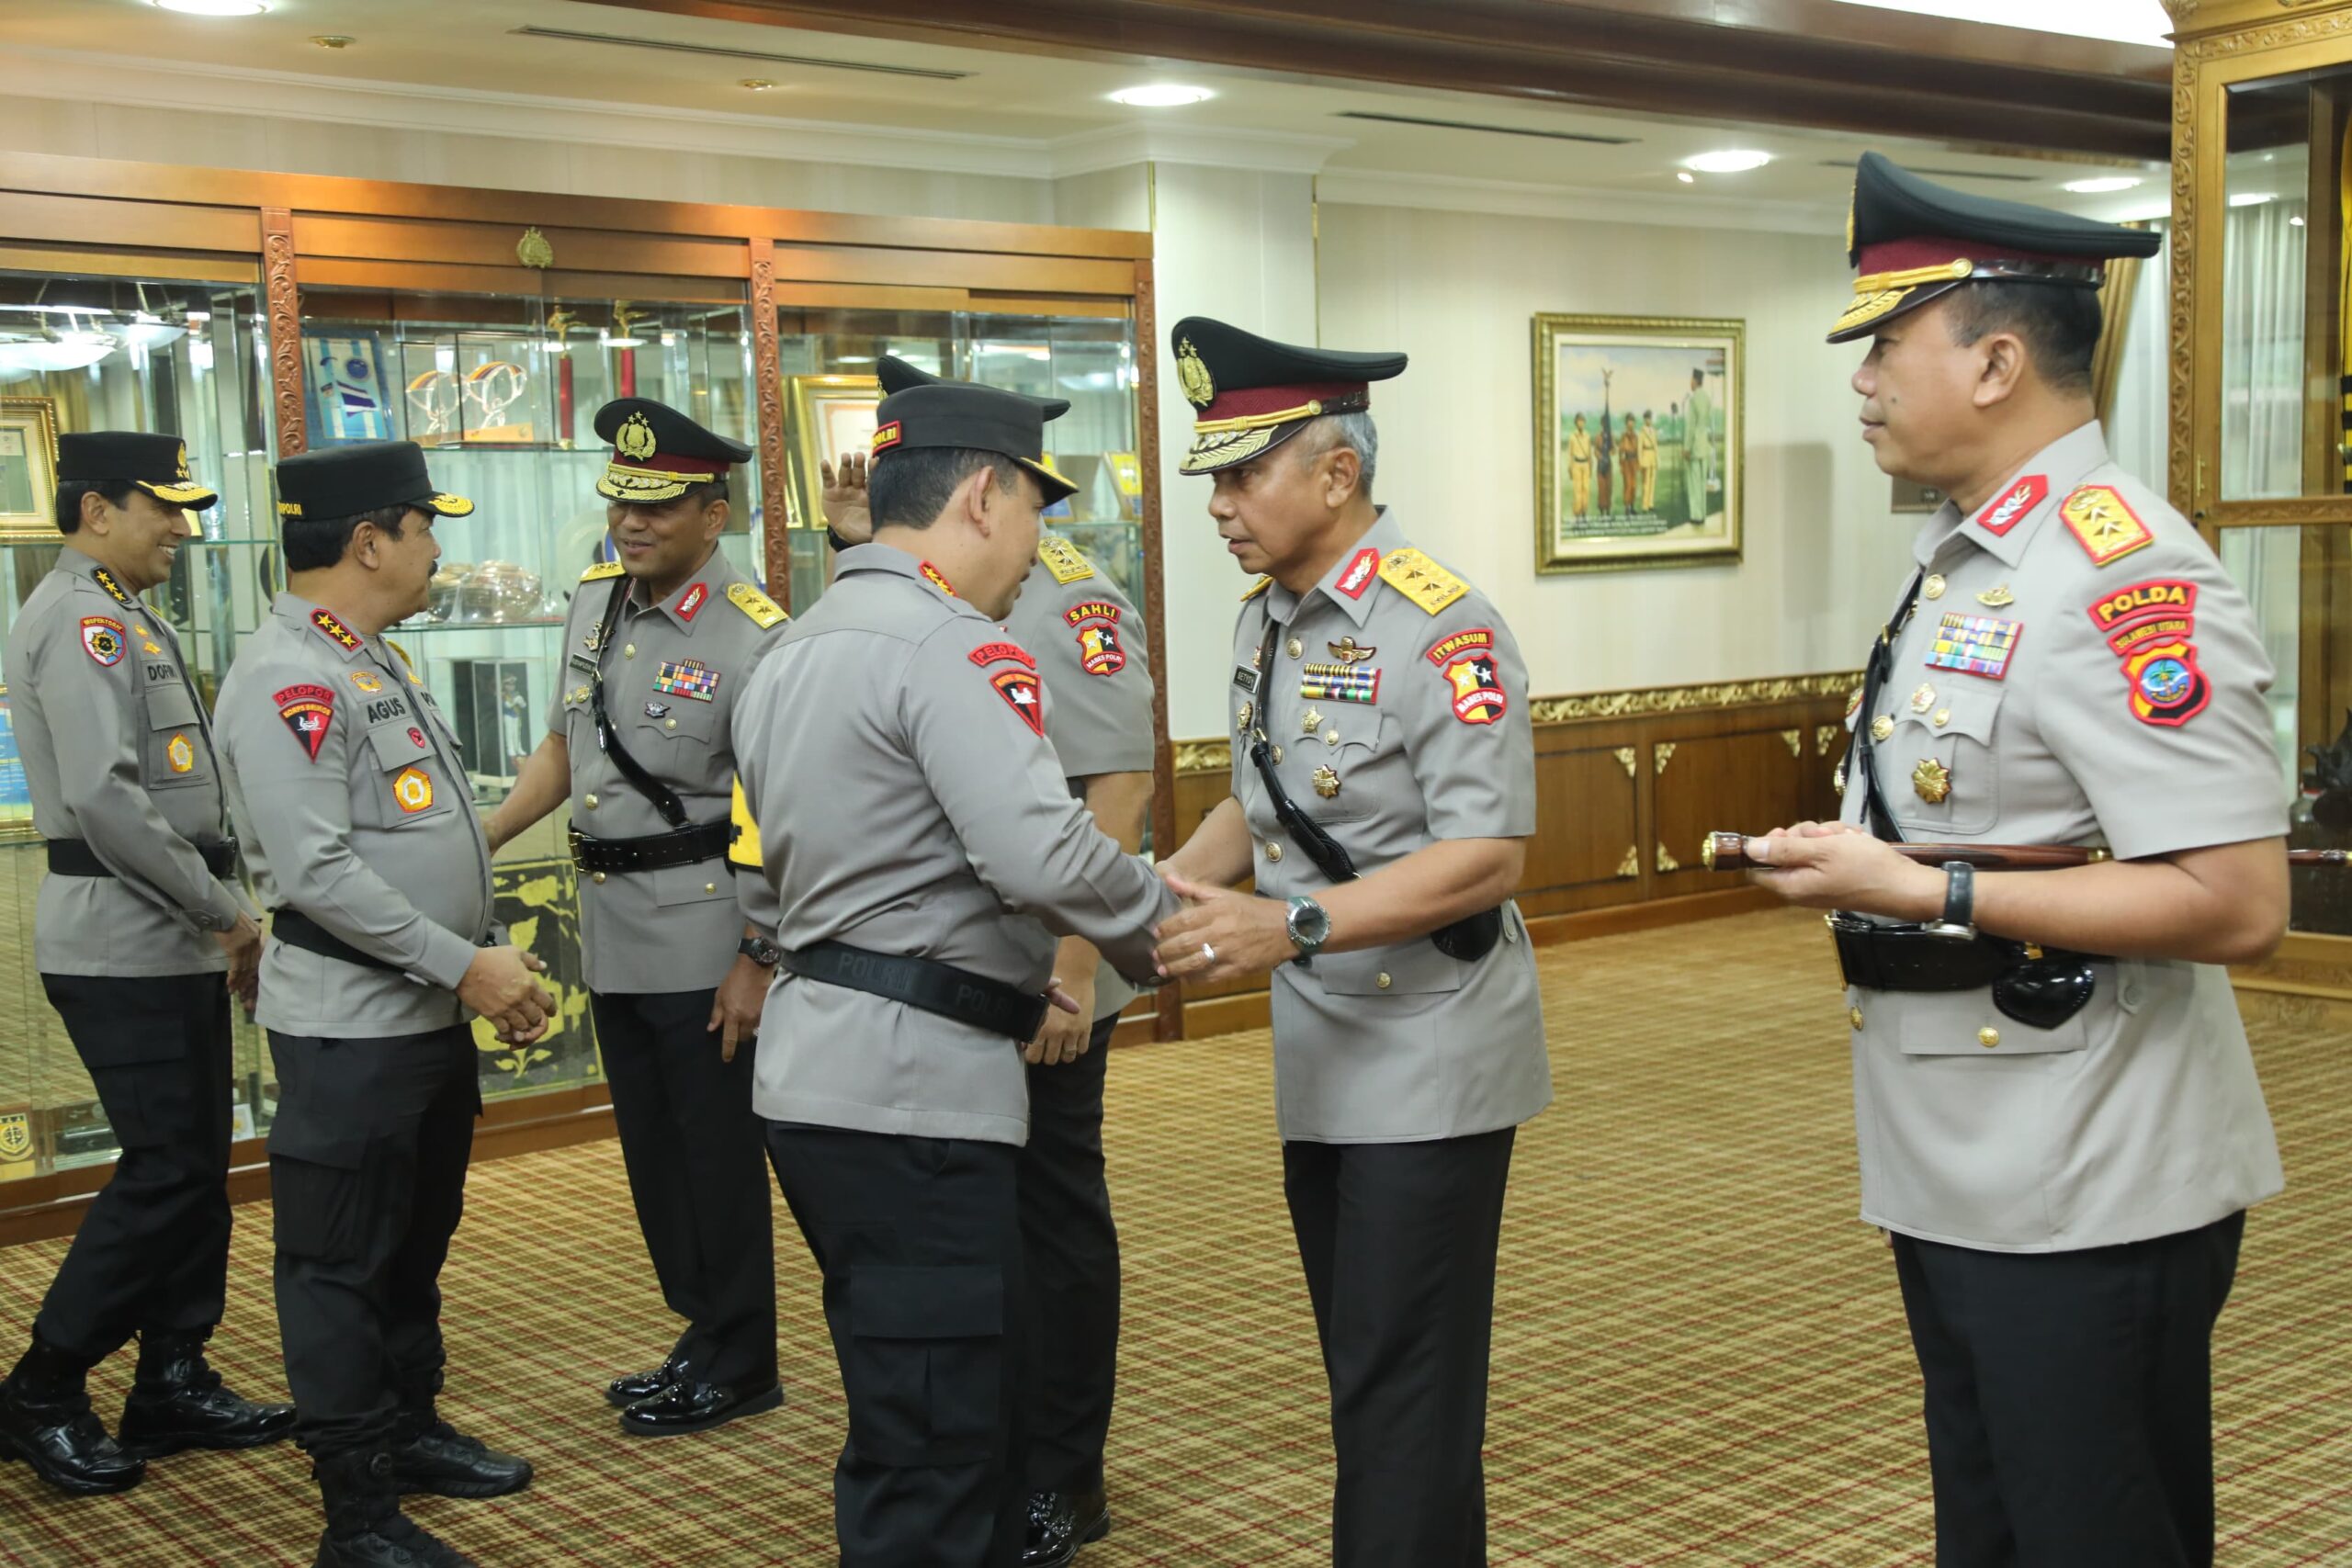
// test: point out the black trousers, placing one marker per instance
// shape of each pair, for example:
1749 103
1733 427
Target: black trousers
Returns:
919 1240
697 1172
154 1251
367 1167
1072 1249
2069 1398
1398 1242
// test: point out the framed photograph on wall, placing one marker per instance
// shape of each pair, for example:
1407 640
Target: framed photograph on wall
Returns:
29 469
1640 424
831 417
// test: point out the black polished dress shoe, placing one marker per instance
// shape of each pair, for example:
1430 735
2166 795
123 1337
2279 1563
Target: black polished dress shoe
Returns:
177 1402
631 1387
429 1455
1061 1522
45 1420
692 1407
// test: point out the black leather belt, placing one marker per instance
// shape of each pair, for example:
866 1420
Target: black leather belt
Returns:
976 1000
296 929
688 846
73 857
2033 987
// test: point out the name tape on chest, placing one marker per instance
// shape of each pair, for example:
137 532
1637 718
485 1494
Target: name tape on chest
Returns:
1466 659
102 639
688 677
308 711
1095 625
1974 645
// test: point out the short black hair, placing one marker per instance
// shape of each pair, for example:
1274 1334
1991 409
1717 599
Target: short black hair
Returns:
910 487
70 491
313 543
2060 325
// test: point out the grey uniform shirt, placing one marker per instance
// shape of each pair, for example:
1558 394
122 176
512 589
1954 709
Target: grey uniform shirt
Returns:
2078 669
1397 702
894 755
355 808
117 753
1089 643
674 672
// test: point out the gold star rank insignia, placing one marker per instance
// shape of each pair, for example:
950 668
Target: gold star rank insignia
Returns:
2105 523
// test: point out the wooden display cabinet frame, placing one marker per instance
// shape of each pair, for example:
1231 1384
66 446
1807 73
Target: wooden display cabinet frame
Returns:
99 216
2220 44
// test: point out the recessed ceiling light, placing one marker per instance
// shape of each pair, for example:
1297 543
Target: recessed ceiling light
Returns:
214 7
2251 198
1733 160
2102 185
1160 95
1686 176
2294 222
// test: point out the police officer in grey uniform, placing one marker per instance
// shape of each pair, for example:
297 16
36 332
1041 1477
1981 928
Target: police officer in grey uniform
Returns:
1089 643
141 935
2059 1120
359 823
657 650
1384 787
923 846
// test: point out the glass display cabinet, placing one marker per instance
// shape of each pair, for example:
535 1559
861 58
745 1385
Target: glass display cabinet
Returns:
257 315
83 348
2262 397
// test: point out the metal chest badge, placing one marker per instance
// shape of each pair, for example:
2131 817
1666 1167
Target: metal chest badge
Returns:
688 677
1974 645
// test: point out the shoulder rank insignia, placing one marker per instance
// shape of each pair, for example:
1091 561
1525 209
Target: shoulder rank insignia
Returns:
104 580
601 570
1257 588
2107 526
334 631
1421 579
763 609
1062 558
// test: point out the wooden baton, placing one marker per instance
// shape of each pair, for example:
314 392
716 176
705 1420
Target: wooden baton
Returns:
1728 852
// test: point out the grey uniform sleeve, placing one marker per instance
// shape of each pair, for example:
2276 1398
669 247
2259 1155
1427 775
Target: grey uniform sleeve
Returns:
754 894
1466 727
98 747
300 810
970 726
1093 665
2162 724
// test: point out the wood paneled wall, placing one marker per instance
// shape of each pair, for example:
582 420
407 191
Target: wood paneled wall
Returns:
1628 783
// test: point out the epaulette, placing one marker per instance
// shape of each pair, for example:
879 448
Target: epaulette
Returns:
602 570
756 604
1062 558
1255 589
1421 579
2104 523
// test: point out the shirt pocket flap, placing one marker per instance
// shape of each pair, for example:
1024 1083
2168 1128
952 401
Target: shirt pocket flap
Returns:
1947 1026
1959 705
673 718
700 882
169 706
1414 967
400 744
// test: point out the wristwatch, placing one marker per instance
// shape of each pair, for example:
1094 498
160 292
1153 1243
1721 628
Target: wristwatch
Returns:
760 951
1959 921
1309 927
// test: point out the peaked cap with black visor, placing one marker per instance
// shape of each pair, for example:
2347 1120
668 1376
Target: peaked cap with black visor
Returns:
1914 241
361 476
925 411
657 453
1250 394
156 464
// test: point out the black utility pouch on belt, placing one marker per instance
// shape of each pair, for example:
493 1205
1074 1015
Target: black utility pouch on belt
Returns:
1468 938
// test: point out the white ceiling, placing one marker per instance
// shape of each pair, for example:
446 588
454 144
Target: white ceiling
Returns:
468 51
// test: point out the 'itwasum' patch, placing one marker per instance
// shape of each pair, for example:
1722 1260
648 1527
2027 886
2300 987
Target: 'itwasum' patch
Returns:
1468 659
1974 645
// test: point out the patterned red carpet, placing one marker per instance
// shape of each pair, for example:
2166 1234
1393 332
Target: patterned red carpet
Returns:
1699 1357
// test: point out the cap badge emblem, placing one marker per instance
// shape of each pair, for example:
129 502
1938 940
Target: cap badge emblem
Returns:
1192 376
635 439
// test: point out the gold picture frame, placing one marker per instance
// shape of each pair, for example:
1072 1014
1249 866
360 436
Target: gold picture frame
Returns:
1642 375
831 415
28 469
